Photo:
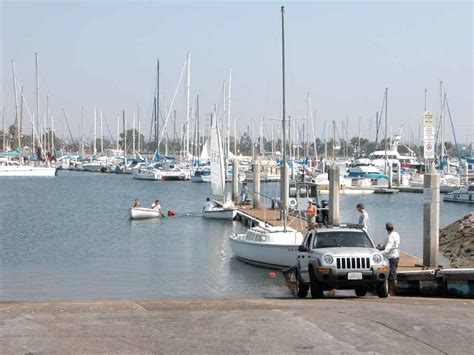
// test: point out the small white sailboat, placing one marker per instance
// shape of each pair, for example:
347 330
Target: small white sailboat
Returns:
218 176
274 247
145 213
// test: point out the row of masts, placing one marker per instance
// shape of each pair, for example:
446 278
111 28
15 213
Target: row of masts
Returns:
191 132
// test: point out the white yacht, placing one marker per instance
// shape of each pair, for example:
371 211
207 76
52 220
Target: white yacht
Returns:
267 246
163 171
13 168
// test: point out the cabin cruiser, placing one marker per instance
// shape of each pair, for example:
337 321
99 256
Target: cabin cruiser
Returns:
464 194
201 175
161 170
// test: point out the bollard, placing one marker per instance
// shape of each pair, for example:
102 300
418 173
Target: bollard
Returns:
390 176
256 185
431 218
235 181
333 174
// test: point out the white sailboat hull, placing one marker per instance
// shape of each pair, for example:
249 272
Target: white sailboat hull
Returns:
144 213
226 214
278 256
25 171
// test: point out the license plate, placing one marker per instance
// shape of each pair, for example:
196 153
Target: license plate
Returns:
354 276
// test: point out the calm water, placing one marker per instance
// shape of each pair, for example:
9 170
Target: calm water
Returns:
69 237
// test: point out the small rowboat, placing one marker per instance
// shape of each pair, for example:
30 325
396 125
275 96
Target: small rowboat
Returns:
143 213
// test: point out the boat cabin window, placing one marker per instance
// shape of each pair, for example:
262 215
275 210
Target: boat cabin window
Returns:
313 192
293 191
303 191
471 188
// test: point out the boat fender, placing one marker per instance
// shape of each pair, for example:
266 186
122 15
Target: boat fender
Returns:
293 202
171 213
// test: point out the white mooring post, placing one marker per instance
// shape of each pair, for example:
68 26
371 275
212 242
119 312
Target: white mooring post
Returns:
256 185
431 218
333 195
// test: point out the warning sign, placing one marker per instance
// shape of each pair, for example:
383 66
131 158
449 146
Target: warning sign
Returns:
429 135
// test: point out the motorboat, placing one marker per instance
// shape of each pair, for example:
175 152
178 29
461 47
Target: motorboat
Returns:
465 194
163 171
201 175
15 169
267 246
145 213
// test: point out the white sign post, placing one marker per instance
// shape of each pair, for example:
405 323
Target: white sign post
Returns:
428 135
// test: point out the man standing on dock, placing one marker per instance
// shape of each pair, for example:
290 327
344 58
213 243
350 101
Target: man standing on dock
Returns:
311 214
391 250
363 217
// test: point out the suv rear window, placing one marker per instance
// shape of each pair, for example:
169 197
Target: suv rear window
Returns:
342 239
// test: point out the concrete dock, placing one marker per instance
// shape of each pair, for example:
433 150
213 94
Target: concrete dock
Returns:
332 325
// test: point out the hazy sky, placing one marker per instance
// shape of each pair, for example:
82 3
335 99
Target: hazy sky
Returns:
103 54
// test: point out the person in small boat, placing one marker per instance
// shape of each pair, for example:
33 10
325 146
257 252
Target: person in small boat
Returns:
137 203
208 205
363 217
244 193
156 205
311 214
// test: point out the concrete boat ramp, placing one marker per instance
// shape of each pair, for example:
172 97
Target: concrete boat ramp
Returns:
333 325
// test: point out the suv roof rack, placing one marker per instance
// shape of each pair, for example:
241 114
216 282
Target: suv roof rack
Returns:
340 225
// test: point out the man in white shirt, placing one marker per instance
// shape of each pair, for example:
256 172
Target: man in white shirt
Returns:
208 205
363 217
391 250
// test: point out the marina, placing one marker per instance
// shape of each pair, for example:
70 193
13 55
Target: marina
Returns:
90 249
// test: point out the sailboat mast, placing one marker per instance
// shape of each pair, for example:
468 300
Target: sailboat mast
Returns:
3 130
95 130
37 95
139 146
386 125
82 130
188 112
228 111
101 133
307 127
284 188
157 106
17 121
118 131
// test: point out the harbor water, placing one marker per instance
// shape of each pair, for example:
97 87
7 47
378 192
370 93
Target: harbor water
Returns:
70 237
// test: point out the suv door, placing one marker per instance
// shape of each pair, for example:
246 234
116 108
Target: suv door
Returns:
303 257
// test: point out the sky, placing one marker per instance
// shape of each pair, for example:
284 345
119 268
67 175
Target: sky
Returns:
103 54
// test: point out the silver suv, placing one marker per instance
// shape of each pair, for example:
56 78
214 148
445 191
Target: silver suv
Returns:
342 257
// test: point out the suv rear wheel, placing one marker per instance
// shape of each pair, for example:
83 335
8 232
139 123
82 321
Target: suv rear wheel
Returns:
301 288
382 289
360 291
316 287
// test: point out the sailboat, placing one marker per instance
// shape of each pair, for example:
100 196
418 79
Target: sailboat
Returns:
216 156
272 246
